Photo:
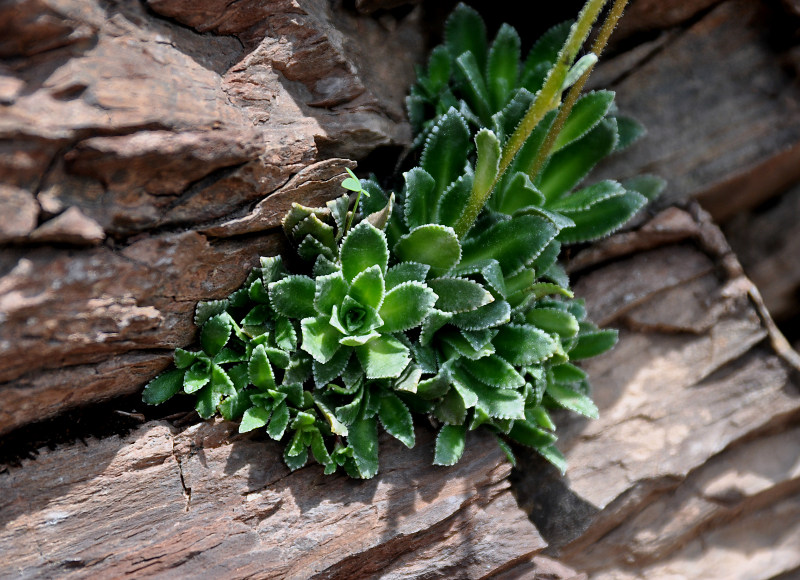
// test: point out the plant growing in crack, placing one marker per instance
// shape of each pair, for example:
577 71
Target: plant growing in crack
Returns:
445 299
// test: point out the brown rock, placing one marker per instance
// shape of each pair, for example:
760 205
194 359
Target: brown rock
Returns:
71 227
19 215
205 502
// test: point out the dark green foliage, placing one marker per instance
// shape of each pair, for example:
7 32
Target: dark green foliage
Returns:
450 301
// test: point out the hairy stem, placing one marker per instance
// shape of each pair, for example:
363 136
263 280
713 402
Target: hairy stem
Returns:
572 97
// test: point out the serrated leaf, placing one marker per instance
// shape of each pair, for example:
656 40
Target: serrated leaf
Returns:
406 272
531 435
602 218
337 428
451 409
486 166
380 218
206 310
324 373
227 355
459 294
234 406
465 31
462 346
363 439
498 403
435 320
384 357
513 243
571 164
650 186
320 339
285 334
450 444
207 401
279 421
329 291
588 111
293 296
494 371
406 306
198 376
489 270
479 338
396 419
432 244
295 462
445 151
543 55
577 70
348 413
630 131
554 456
506 120
318 449
312 226
293 391
502 69
572 400
491 315
567 373
257 292
215 334
519 193
368 287
553 321
163 387
523 344
338 208
184 358
310 249
469 77
221 383
420 206
254 418
454 200
260 369
593 343
324 266
362 247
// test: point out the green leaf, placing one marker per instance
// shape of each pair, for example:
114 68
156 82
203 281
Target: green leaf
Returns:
572 400
446 151
258 292
221 383
320 339
593 343
215 334
630 131
553 321
513 243
451 409
406 272
554 456
337 428
206 310
234 406
530 435
543 55
487 165
294 462
489 270
348 413
494 371
384 357
435 387
459 294
227 356
260 370
315 228
318 448
523 344
463 347
434 245
364 246
254 418
450 444
285 334
590 109
363 439
293 391
184 358
293 296
499 403
198 376
435 320
406 306
506 120
330 291
207 401
519 193
420 206
279 421
396 419
650 186
465 31
583 64
368 287
324 373
163 387
470 81
571 164
568 373
488 316
438 69
338 208
380 218
453 202
503 66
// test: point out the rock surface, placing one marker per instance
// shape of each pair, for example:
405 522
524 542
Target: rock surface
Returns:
692 469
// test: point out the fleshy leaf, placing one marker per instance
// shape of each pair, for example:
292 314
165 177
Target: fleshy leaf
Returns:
368 287
320 339
465 31
406 272
572 400
420 206
590 109
450 444
196 377
454 200
593 343
503 65
523 344
630 131
531 435
254 418
602 218
330 291
446 151
207 401
434 245
215 334
470 80
163 387
364 246
543 55
494 371
279 421
406 306
327 372
363 439
384 357
649 186
396 419
293 296
488 316
206 310
459 294
552 321
260 369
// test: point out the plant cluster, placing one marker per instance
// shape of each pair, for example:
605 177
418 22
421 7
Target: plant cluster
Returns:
444 299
